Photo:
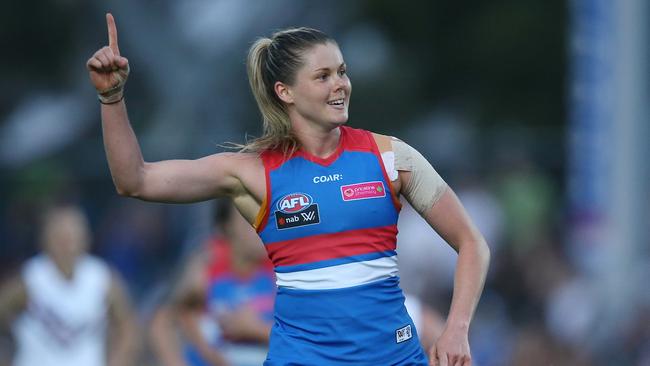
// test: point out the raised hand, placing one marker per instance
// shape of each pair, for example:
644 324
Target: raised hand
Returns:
108 70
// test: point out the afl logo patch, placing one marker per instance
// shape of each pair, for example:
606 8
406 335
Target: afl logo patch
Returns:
296 209
294 202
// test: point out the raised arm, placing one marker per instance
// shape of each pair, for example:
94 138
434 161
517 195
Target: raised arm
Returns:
165 181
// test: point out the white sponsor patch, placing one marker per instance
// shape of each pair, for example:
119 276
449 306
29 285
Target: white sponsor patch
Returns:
403 334
388 157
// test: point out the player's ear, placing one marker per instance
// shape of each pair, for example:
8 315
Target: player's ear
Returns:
283 92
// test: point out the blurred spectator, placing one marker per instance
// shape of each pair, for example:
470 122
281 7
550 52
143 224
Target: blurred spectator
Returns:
133 237
65 303
428 322
426 262
493 334
528 197
534 347
222 303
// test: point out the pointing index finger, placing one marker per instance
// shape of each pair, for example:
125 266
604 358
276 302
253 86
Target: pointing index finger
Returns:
112 34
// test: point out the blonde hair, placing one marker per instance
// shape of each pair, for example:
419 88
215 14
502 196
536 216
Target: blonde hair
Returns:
277 59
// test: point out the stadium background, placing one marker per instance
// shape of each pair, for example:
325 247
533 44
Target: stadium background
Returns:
535 112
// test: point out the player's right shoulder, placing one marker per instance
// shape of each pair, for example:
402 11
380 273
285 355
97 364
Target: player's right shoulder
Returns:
246 167
231 167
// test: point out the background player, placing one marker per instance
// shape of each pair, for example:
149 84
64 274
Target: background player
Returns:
65 303
222 302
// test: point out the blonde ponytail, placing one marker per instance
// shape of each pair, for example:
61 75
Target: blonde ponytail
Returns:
276 123
271 60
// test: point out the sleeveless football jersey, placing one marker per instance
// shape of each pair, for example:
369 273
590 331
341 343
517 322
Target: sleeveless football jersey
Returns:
65 320
329 227
228 292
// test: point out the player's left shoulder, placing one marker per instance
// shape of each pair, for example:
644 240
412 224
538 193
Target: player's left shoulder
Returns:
383 142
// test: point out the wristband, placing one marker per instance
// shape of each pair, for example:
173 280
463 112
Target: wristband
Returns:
104 102
116 93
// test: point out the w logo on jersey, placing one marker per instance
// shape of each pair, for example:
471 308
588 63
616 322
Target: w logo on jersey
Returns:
294 202
308 216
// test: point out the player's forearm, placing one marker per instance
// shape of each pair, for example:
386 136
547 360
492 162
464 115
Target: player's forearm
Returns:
125 346
261 333
13 300
471 270
122 149
212 355
164 340
189 322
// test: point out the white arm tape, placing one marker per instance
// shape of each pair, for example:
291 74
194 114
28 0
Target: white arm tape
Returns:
425 186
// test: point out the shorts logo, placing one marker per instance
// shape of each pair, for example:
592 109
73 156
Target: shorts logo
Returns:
362 191
403 334
296 209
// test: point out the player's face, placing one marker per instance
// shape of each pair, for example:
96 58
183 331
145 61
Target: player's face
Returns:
321 90
66 237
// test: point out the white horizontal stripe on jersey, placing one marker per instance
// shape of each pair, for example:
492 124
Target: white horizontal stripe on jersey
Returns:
341 276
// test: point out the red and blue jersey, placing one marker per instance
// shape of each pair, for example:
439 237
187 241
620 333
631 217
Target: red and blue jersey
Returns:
229 291
329 227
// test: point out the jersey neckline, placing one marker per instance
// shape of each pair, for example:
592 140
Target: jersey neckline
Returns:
332 157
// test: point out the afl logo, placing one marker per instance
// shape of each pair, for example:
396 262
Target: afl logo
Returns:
294 202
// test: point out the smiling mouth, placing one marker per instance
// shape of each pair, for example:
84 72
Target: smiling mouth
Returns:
336 102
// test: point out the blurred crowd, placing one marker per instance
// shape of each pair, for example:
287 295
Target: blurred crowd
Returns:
479 90
538 307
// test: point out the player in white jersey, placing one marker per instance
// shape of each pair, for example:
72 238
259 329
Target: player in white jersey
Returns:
64 302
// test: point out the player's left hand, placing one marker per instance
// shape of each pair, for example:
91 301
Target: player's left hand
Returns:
451 349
